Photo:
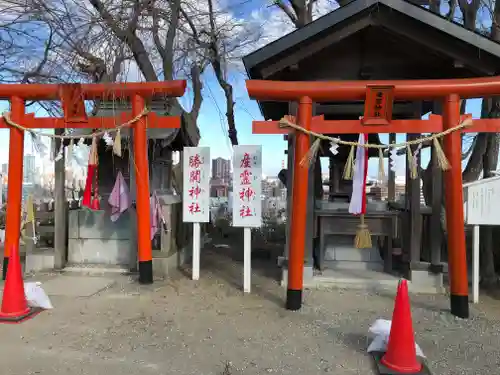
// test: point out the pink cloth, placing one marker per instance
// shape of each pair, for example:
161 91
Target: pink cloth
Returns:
119 200
156 215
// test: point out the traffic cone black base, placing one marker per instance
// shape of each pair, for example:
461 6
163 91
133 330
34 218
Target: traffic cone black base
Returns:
31 312
383 370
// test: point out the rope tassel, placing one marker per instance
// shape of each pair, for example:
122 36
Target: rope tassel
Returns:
312 153
440 155
363 239
349 165
381 167
412 163
117 144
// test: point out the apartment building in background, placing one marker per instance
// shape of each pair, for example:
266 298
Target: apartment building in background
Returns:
29 169
221 169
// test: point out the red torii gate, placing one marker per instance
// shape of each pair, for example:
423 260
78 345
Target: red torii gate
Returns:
72 98
450 91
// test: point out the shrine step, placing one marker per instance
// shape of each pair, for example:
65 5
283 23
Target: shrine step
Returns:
95 269
356 279
353 265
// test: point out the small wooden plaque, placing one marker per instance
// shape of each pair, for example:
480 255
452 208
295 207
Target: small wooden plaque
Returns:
73 103
378 105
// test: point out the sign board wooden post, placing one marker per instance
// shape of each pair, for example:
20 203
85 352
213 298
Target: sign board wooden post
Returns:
481 207
196 196
247 203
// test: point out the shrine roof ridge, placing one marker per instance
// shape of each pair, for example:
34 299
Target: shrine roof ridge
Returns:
319 26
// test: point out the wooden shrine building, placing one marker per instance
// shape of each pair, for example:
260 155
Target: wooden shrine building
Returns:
371 40
91 231
88 238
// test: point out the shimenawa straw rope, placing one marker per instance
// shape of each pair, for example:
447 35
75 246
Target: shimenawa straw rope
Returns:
311 155
8 120
363 235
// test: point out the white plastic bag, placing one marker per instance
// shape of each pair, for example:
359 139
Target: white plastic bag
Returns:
36 296
378 344
381 330
380 327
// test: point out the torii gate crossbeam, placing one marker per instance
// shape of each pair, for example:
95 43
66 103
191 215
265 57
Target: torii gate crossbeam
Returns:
450 91
72 97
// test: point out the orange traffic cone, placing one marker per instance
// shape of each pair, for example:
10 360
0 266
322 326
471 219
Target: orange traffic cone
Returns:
401 356
15 308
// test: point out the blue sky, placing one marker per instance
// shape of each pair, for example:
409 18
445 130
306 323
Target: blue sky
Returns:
212 121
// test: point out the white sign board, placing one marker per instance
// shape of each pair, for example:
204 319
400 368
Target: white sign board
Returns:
247 186
482 202
196 185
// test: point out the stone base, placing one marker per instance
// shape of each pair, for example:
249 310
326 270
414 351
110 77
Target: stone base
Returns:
163 265
98 251
308 276
427 282
366 279
39 260
94 239
340 253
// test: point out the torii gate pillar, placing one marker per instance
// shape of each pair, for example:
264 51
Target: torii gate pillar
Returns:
299 203
457 259
15 182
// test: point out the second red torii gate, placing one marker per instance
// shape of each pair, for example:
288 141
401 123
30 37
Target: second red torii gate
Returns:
72 97
450 91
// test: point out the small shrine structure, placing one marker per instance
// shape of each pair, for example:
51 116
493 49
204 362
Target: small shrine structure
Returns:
93 239
140 119
372 44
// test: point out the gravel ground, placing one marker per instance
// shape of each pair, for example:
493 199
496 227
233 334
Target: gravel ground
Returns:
210 327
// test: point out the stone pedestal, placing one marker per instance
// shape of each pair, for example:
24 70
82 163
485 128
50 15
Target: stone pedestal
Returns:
94 239
340 253
175 240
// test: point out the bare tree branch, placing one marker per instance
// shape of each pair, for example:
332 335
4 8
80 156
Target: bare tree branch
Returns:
288 11
216 61
197 89
129 37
